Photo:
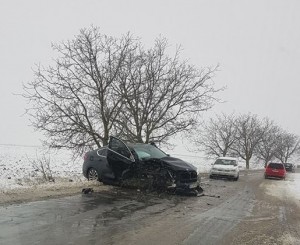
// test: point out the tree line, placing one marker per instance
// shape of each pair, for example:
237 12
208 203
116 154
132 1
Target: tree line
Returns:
246 136
99 85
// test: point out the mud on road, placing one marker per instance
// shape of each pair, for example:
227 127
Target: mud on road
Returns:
229 213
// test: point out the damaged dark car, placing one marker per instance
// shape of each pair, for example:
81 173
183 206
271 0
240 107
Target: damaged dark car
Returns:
119 161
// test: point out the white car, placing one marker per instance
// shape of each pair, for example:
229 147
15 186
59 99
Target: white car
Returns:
226 167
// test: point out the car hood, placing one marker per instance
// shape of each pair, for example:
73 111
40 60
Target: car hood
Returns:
225 167
177 164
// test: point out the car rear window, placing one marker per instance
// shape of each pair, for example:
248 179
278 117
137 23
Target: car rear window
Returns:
276 165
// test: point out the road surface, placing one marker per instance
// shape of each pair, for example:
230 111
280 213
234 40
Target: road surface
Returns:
250 211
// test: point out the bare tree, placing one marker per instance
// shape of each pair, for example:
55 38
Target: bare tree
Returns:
289 146
270 143
101 85
73 102
217 136
163 95
42 164
249 135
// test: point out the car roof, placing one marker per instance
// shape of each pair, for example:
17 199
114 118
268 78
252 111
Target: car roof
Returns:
129 144
228 158
103 147
134 144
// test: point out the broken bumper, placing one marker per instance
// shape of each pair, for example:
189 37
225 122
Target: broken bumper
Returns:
184 186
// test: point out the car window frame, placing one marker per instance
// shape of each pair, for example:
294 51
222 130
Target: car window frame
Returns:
102 149
131 158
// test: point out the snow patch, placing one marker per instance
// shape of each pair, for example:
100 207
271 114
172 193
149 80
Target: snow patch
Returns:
285 189
17 169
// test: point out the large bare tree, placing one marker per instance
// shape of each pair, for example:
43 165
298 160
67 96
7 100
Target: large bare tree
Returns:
249 135
101 85
217 136
73 101
163 95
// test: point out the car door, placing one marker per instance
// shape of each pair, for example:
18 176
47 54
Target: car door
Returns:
119 157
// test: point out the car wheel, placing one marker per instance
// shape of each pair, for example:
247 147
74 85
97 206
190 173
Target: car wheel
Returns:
237 178
93 174
211 177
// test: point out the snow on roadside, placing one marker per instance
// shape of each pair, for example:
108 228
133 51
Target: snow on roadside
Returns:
290 188
294 187
18 171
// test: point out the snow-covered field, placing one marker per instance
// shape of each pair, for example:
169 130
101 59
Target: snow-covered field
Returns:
19 166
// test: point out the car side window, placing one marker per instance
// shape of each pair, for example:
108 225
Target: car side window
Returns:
119 147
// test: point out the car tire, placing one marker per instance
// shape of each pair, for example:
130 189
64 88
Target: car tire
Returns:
211 177
92 174
237 178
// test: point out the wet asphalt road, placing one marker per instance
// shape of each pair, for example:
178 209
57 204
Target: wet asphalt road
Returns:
123 216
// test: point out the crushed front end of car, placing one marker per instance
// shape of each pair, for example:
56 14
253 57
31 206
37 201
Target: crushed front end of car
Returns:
172 174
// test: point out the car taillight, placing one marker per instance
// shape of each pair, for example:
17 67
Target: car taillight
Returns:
85 157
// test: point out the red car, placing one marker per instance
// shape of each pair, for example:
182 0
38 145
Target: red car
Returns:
276 170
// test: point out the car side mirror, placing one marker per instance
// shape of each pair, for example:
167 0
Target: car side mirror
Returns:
132 157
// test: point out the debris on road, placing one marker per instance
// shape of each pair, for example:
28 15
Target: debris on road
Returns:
87 190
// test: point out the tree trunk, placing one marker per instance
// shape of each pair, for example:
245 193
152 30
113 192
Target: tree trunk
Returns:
247 163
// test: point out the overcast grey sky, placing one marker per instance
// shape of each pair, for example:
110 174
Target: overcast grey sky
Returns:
256 43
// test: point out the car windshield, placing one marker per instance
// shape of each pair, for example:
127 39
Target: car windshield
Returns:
225 162
145 151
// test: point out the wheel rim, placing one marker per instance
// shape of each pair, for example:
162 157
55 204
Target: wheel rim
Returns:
93 175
